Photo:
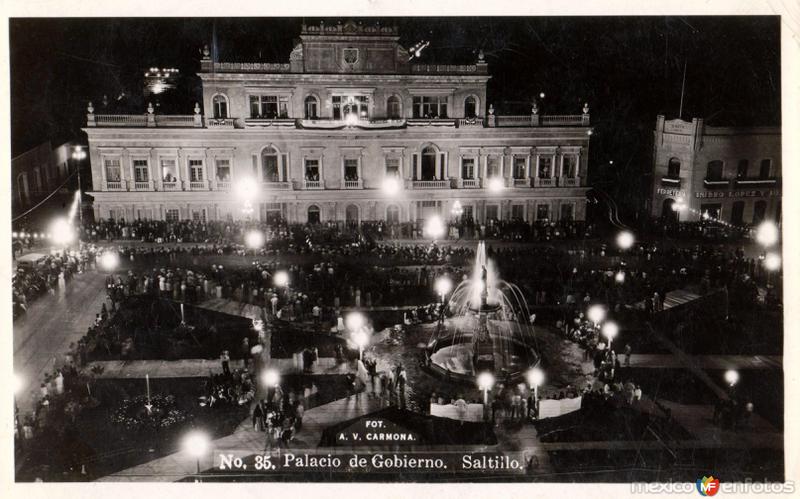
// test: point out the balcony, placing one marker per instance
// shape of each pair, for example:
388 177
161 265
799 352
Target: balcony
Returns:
148 120
716 183
756 182
470 183
437 122
198 185
142 186
277 186
352 184
668 181
470 122
221 123
312 185
115 185
570 182
222 185
118 120
171 186
544 182
430 184
269 122
521 182
175 121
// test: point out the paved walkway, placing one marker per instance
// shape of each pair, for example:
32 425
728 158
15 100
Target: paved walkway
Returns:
721 362
43 334
673 299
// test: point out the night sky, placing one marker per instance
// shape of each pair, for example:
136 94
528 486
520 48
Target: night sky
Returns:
629 69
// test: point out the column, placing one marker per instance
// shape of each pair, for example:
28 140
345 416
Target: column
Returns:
125 166
156 178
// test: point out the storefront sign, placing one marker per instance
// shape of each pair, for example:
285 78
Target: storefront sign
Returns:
771 193
671 192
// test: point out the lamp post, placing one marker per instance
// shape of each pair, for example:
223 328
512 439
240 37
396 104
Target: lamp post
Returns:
434 228
281 279
596 314
485 383
625 240
78 155
535 380
443 286
731 377
610 330
254 240
271 378
246 189
109 261
196 444
63 234
772 262
767 234
361 339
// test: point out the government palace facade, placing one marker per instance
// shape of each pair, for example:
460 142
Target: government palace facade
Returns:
350 129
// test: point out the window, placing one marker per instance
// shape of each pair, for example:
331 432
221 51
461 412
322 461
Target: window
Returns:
312 169
313 214
545 166
223 170
714 170
196 170
351 169
470 107
172 215
570 167
710 210
269 106
492 212
759 212
741 169
428 171
674 168
543 212
567 212
520 167
737 213
344 105
351 214
517 211
468 213
392 214
393 167
113 170
764 171
393 107
430 107
312 107
140 170
168 170
468 168
199 215
493 167
220 104
269 165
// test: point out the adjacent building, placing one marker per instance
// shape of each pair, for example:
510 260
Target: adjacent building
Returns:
350 129
36 173
727 173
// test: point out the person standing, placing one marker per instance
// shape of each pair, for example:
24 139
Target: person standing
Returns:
225 358
627 352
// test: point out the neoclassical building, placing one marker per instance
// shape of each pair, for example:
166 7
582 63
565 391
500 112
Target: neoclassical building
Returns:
730 173
349 129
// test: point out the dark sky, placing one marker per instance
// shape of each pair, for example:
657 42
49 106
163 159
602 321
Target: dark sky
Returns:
629 69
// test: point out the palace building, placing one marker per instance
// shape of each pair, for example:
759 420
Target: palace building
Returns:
727 173
350 129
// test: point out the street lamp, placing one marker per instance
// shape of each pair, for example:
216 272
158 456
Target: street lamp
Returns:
485 383
391 186
254 239
355 321
109 261
62 231
196 444
772 262
271 378
78 155
457 210
361 339
246 189
434 227
731 377
281 279
767 234
443 286
610 330
495 184
535 379
620 277
596 314
625 240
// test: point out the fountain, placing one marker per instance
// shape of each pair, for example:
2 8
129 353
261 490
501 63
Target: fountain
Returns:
488 330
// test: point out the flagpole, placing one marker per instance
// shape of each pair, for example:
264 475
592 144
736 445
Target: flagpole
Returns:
683 88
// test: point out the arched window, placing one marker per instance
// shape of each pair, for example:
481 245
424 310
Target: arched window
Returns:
393 107
668 212
351 215
428 170
392 214
741 169
470 107
674 168
313 214
765 170
270 171
714 170
312 107
220 105
759 212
